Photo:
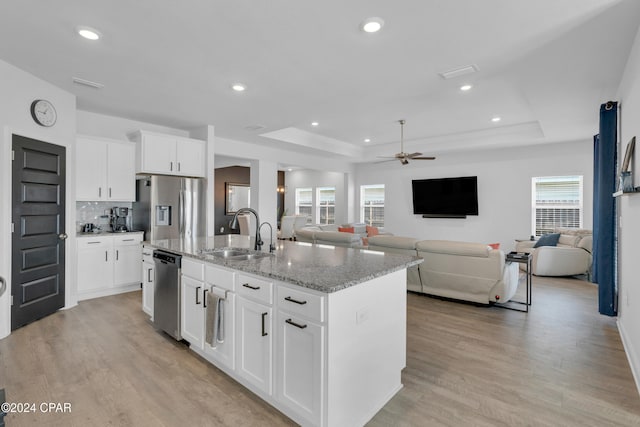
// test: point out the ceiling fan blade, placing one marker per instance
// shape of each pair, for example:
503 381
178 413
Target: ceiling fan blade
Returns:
423 158
414 155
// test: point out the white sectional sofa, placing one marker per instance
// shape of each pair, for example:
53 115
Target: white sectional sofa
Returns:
460 270
328 234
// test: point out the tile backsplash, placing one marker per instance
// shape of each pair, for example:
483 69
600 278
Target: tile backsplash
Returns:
96 213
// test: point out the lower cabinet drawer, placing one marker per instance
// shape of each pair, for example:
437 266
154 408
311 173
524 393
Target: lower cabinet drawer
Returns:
254 288
300 302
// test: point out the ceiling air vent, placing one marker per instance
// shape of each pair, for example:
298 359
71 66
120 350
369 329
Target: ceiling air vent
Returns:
457 72
254 127
89 83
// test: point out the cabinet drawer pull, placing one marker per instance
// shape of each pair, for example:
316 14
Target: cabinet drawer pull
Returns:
255 288
297 325
197 289
264 316
149 275
92 243
127 240
204 298
106 255
117 254
170 166
99 191
109 191
295 300
178 166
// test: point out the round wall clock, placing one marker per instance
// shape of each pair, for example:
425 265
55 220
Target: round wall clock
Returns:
43 112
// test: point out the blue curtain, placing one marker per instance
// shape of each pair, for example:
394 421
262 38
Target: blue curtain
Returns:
604 209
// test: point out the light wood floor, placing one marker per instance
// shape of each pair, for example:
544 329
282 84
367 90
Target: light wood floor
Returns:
560 365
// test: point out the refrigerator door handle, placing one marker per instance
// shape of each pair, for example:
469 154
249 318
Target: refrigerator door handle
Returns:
181 213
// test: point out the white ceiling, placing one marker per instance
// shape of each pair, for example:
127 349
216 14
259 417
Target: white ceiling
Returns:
544 67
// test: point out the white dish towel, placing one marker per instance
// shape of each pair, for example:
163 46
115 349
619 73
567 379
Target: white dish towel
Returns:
214 333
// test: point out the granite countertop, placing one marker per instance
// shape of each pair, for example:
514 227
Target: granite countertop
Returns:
105 233
323 268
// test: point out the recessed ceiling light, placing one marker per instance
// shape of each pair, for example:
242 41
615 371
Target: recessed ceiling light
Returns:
367 140
314 123
496 119
289 170
239 87
465 88
372 25
88 33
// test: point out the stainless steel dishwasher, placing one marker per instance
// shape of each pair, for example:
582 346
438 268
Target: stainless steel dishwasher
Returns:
166 294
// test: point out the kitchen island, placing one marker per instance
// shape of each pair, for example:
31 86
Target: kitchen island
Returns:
317 331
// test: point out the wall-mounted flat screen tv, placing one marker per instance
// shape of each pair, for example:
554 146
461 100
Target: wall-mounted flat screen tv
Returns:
445 197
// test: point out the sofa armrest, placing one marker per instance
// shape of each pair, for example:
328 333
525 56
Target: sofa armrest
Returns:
525 245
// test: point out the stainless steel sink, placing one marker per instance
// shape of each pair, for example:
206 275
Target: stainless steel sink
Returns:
235 254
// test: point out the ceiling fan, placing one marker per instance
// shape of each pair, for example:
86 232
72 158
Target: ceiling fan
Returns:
402 156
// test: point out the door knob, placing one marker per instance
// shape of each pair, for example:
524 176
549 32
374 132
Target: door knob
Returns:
3 285
62 236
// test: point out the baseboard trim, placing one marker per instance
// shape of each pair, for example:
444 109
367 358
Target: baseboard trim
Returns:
632 356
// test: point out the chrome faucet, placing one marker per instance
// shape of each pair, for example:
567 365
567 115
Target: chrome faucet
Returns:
234 225
272 246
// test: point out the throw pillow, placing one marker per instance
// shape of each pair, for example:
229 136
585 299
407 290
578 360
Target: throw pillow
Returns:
372 231
550 239
346 229
495 246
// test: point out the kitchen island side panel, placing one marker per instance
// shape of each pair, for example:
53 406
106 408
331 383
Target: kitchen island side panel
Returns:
366 348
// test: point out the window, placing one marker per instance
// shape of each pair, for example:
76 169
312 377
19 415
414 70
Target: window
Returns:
304 201
557 202
372 205
326 197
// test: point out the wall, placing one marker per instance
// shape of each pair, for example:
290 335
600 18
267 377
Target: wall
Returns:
94 124
629 211
18 90
504 190
314 179
235 174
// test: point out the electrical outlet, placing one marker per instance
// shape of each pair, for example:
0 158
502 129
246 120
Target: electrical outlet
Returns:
362 315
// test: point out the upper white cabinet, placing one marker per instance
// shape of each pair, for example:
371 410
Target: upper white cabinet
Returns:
169 155
105 170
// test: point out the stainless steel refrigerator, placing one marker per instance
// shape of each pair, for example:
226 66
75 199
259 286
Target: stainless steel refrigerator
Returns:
169 207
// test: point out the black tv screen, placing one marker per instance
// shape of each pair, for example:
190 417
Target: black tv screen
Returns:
445 196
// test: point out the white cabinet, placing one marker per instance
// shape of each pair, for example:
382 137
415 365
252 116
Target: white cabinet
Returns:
105 170
254 343
192 312
300 352
299 368
148 277
95 265
108 264
192 302
222 281
127 258
169 155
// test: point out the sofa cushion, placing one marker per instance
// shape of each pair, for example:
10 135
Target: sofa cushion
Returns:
568 240
372 231
454 248
397 242
346 229
586 243
549 239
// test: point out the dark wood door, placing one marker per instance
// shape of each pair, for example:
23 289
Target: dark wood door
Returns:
38 215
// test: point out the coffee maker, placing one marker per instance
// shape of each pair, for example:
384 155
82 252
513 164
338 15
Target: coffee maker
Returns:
119 220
